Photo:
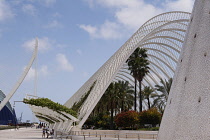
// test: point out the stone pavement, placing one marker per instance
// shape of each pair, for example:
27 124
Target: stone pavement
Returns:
36 134
21 134
102 138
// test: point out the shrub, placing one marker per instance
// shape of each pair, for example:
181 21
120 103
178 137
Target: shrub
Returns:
127 119
45 102
151 116
99 121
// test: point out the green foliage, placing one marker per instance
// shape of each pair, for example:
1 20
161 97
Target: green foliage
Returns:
139 67
6 127
151 116
99 121
77 105
127 119
146 93
45 102
117 98
160 99
150 129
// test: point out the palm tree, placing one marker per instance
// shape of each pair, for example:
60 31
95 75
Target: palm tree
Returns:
142 68
165 87
133 71
111 92
125 95
147 92
161 99
138 66
117 98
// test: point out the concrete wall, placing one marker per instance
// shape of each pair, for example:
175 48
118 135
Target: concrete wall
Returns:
187 114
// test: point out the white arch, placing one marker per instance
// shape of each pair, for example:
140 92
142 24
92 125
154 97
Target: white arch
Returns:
154 29
12 92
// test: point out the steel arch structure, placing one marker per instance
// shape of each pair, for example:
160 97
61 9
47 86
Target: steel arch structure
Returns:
162 36
20 80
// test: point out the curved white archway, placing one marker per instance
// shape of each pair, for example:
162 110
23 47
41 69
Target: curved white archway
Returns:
162 36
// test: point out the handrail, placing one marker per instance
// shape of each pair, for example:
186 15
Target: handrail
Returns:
134 136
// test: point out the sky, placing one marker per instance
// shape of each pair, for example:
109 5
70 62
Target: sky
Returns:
76 37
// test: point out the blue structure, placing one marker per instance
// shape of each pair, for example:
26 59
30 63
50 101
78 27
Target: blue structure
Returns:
7 114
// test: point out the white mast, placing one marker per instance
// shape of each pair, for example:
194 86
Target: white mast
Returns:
14 89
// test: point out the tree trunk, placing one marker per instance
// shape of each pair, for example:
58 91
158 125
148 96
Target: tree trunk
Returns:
111 118
135 94
140 97
148 103
122 107
98 110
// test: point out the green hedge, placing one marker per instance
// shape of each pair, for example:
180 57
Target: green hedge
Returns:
45 102
76 107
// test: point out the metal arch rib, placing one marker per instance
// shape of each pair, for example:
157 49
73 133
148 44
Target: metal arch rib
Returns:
150 70
121 72
19 82
175 60
162 62
109 70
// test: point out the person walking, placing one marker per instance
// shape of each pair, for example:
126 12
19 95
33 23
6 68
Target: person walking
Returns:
43 132
47 131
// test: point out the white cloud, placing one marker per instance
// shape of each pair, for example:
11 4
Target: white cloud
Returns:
179 5
30 75
54 24
29 9
90 29
44 44
43 71
57 14
48 2
130 15
85 74
79 52
134 16
120 3
108 30
63 63
5 11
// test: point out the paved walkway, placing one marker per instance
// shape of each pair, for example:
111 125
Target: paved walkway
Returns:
36 134
21 134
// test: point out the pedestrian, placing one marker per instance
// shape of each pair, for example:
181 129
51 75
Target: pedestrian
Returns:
52 132
43 132
47 131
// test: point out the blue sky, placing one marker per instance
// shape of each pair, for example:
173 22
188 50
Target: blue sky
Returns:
75 38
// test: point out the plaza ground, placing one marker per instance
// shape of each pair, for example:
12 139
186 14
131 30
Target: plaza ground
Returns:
36 134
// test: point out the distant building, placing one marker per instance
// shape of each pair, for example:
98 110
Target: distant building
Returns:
7 114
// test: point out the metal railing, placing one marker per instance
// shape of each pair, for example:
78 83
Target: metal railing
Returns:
85 135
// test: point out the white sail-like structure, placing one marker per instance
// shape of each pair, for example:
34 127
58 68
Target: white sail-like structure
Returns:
19 82
187 113
162 36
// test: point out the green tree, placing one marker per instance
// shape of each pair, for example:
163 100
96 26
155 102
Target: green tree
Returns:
161 98
165 86
112 93
151 116
139 67
117 98
127 119
147 92
142 69
125 95
133 71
